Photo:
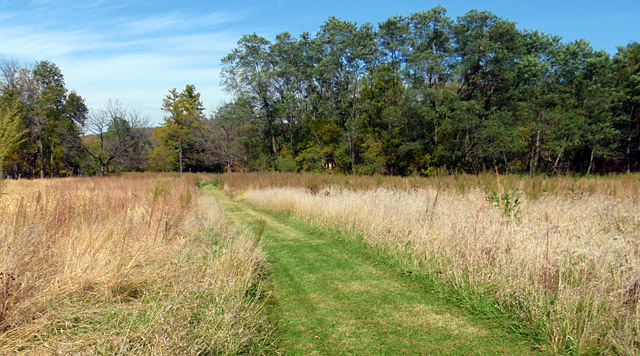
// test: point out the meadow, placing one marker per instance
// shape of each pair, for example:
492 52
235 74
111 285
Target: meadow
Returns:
140 264
625 186
558 256
144 264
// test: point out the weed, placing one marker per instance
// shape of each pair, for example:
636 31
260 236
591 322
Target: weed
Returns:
258 229
509 203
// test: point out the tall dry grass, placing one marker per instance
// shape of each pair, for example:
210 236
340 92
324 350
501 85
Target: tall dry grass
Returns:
623 186
564 265
138 264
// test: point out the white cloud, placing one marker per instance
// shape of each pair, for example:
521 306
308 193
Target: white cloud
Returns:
178 22
25 42
134 60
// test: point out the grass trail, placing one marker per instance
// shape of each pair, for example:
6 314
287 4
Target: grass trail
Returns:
331 299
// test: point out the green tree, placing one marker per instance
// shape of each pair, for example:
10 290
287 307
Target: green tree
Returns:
58 117
183 122
428 70
424 91
248 73
626 68
11 133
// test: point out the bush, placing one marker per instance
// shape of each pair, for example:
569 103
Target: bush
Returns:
286 164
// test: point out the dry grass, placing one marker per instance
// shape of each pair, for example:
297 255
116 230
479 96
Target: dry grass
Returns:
623 186
567 264
139 264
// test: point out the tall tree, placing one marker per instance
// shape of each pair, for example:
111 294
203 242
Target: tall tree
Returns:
248 72
231 131
58 117
424 91
626 67
184 118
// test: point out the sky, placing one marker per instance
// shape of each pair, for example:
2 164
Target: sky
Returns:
135 51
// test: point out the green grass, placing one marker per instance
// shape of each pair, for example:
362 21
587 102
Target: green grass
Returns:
334 297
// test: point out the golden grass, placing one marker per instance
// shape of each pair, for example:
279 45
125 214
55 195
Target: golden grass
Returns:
139 264
568 261
623 186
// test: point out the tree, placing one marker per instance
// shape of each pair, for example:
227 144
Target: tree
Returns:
248 73
11 133
229 126
57 120
184 119
429 56
626 67
51 115
114 129
349 52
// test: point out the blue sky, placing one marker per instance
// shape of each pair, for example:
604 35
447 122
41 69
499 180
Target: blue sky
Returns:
135 51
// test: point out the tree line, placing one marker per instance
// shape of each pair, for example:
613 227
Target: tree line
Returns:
417 94
48 131
423 93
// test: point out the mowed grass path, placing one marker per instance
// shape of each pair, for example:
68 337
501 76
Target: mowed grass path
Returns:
331 299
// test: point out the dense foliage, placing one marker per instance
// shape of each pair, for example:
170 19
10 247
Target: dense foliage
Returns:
50 116
47 131
423 92
418 94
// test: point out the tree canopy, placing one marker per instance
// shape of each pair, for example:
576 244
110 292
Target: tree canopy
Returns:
425 92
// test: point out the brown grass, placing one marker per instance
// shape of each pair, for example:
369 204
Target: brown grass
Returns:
567 263
138 264
623 186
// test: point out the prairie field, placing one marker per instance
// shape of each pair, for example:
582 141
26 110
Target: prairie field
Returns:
559 256
162 264
141 264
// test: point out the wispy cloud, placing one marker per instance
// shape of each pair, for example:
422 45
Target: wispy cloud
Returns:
132 59
180 22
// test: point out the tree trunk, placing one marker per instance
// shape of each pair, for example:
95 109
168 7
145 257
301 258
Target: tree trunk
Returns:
628 156
273 142
593 150
629 137
433 48
180 157
102 168
533 164
353 154
51 162
435 124
229 165
270 123
41 153
555 165
506 163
